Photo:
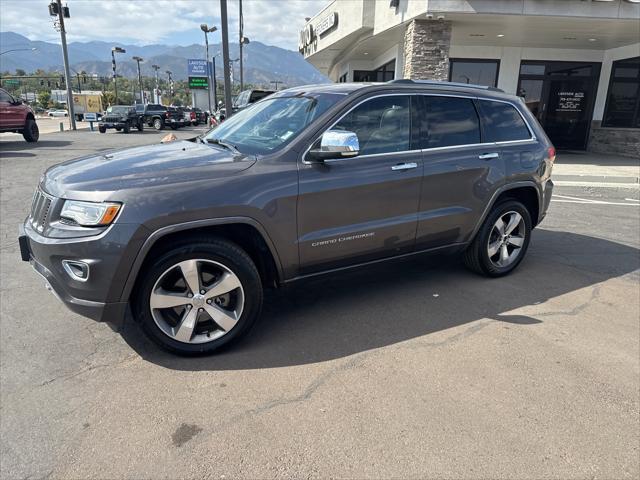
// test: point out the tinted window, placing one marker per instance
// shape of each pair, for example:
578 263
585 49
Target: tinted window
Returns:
623 102
502 122
5 97
479 72
450 121
258 95
382 124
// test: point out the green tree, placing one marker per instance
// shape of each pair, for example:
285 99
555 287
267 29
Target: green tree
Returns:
44 98
20 72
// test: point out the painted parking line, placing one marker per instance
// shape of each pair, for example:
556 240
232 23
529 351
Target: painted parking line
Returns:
583 202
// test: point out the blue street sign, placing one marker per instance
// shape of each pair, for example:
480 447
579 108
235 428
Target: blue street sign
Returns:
196 67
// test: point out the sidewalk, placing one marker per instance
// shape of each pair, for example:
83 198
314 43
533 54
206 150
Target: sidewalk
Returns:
591 167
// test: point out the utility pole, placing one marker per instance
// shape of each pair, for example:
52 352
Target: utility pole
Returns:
138 60
225 58
65 56
215 84
205 28
276 82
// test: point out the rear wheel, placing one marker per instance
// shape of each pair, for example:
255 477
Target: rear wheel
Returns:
31 133
199 296
502 241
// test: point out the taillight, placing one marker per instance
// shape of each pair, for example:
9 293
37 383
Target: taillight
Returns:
166 114
551 152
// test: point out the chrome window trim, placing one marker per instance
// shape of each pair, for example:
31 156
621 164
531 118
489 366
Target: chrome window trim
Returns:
531 139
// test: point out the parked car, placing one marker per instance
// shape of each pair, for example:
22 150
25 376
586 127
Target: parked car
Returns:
184 116
121 117
186 235
247 97
158 116
17 117
57 113
198 116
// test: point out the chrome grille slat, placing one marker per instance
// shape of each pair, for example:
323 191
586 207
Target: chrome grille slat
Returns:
40 208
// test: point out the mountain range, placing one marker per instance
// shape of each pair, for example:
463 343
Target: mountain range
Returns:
262 63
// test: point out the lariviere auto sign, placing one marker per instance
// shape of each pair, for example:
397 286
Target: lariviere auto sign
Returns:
196 67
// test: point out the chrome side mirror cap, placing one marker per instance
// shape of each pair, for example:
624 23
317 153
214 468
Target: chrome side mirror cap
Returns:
335 144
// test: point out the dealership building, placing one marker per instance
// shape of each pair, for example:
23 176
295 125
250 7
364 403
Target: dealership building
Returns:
575 62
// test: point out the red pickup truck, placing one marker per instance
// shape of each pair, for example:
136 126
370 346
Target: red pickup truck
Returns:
17 117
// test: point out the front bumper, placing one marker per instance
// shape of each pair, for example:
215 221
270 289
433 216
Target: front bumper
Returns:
112 124
98 297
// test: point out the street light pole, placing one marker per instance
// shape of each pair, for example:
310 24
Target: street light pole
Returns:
115 50
205 28
156 68
138 60
169 72
276 82
65 59
215 84
225 58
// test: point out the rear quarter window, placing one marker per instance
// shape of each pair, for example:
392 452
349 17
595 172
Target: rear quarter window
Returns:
502 122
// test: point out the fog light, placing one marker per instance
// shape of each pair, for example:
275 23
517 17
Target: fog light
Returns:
77 270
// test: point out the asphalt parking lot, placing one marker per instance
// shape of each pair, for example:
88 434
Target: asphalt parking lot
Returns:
416 369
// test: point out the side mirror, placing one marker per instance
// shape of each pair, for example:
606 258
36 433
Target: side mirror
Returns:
335 144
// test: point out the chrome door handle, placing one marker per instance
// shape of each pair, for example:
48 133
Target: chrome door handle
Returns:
488 156
404 166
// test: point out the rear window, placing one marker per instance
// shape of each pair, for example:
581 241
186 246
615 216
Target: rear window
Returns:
450 121
257 95
502 122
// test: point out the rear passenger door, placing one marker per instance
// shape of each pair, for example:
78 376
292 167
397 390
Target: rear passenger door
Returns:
461 170
504 125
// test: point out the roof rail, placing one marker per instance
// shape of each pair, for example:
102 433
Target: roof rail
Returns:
407 81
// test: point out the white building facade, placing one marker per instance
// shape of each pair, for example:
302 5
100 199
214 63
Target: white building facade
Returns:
575 62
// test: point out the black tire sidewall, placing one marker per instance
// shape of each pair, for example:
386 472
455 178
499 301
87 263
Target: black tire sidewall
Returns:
31 132
483 237
222 252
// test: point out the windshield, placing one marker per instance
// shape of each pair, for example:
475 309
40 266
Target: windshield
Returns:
117 109
269 125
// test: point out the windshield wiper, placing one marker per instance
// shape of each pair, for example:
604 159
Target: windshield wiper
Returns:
222 143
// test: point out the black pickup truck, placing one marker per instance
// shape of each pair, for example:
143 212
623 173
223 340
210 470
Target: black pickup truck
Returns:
121 117
158 116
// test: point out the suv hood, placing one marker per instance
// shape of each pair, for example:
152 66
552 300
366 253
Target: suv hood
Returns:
148 166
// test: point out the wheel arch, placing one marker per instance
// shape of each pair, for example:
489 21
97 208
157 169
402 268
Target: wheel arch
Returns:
526 192
244 231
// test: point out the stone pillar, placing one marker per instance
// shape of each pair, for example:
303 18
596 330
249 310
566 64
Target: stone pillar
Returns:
426 50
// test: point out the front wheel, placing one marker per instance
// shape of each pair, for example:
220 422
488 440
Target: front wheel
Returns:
126 128
502 241
102 129
31 133
140 126
158 124
199 296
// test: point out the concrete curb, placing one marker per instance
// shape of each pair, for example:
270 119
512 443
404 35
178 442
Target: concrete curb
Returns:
596 179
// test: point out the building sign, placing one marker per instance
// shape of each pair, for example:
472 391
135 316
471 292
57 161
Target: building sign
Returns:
198 82
326 24
196 67
570 101
308 41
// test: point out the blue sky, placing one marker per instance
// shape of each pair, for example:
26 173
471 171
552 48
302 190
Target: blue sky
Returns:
174 22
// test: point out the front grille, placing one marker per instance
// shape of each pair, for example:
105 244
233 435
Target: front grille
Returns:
40 208
112 119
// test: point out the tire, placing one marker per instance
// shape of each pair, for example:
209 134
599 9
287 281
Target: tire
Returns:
126 128
478 256
158 124
161 325
102 129
118 129
140 126
31 132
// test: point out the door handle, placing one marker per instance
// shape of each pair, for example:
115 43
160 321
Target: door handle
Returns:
488 156
405 166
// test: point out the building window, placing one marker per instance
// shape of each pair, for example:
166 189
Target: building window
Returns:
623 98
475 71
381 74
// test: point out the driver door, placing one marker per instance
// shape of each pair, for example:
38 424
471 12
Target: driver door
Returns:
353 210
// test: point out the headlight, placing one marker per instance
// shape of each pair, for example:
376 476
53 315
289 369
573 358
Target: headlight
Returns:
90 214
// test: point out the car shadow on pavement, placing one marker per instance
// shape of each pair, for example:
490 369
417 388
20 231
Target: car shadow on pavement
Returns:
8 147
338 315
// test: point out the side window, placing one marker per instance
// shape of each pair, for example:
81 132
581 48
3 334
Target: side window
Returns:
5 97
382 124
502 122
450 121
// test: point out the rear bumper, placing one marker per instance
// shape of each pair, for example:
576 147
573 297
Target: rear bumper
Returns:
546 199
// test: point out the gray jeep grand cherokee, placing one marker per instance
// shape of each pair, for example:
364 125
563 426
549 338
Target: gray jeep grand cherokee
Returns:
185 236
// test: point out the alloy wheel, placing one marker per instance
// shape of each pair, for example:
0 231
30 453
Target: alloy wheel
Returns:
197 301
506 239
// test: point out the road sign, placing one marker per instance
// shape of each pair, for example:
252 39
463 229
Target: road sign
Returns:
12 81
198 82
196 67
90 117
